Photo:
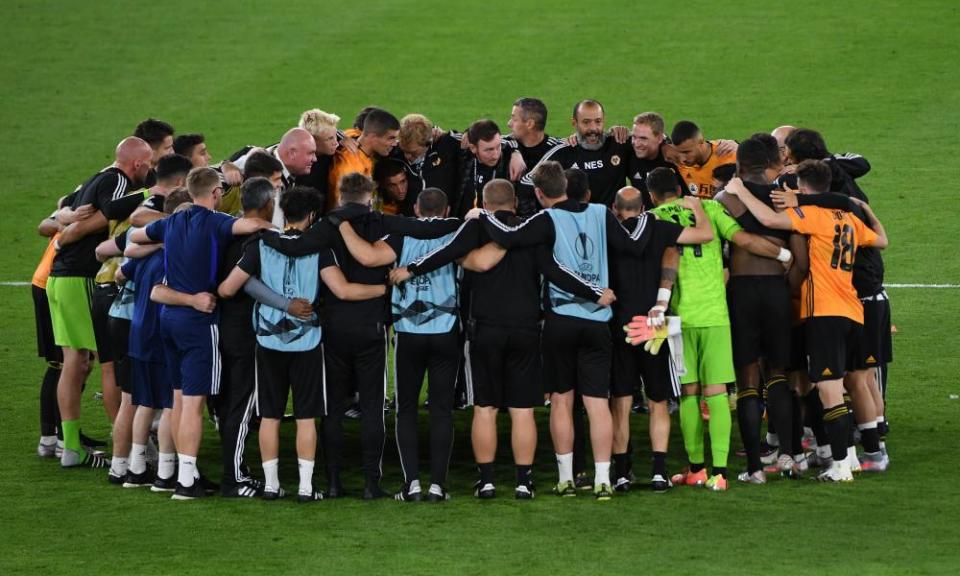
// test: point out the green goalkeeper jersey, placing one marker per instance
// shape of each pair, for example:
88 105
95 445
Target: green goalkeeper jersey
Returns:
699 295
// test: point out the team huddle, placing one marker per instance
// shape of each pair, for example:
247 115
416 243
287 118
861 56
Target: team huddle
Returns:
620 269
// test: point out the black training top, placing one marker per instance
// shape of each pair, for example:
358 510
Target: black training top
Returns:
606 168
636 279
80 258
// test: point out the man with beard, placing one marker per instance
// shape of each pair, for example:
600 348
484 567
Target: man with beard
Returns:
601 157
698 157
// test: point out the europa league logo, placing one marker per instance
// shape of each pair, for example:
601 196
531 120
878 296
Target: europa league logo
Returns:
585 248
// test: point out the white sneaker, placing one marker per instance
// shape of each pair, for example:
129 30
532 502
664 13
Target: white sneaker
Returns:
787 467
771 456
839 471
47 450
853 461
758 477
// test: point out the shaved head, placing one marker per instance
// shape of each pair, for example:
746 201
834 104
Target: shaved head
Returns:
629 202
781 133
498 194
135 157
298 151
132 148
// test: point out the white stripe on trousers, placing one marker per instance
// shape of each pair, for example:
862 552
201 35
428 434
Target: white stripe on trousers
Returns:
383 416
256 380
242 438
468 371
215 364
396 412
323 364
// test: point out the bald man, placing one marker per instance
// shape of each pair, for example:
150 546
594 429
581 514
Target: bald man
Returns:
71 285
781 133
641 283
296 151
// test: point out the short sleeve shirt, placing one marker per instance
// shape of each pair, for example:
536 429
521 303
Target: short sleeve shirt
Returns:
834 237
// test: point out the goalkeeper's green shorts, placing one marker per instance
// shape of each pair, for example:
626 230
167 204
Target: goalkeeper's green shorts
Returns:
708 355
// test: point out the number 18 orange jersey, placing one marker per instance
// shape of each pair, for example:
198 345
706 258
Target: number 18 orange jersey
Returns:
834 236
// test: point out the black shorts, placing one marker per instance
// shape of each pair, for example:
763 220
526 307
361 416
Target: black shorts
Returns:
760 319
503 367
576 355
278 372
876 344
103 296
798 349
633 367
46 346
832 343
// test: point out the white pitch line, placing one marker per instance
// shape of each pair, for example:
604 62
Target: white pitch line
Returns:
921 285
931 286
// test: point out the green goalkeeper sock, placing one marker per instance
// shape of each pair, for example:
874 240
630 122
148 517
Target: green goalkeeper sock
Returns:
71 435
691 424
720 424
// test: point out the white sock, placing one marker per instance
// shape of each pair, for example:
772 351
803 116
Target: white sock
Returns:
565 467
138 458
48 440
602 474
118 466
306 476
851 451
166 465
773 440
867 425
270 475
825 452
188 470
434 489
414 487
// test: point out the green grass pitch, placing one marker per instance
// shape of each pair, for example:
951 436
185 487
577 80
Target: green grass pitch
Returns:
878 78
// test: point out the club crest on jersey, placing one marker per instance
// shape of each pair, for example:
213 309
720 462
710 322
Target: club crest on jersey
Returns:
437 161
615 160
694 189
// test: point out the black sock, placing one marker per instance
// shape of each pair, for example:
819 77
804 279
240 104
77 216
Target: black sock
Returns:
796 434
836 420
621 465
748 418
815 416
697 467
486 472
660 463
49 411
524 475
721 470
870 439
780 412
